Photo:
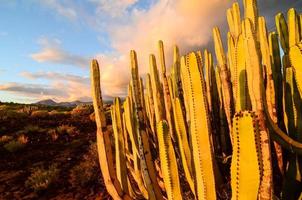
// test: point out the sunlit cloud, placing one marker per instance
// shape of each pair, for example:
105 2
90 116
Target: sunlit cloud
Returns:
52 52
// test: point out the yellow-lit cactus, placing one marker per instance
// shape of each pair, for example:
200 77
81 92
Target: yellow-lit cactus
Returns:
178 129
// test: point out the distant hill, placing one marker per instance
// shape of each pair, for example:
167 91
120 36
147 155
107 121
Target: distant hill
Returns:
50 102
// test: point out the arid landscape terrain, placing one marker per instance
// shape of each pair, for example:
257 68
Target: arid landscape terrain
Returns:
48 152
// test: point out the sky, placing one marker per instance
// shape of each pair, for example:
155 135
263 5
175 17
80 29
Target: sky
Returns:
46 45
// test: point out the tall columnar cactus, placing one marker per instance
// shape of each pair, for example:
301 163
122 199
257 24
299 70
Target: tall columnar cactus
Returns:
103 140
246 161
147 166
201 142
120 157
168 162
182 122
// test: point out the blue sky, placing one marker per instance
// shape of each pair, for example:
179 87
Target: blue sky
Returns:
46 45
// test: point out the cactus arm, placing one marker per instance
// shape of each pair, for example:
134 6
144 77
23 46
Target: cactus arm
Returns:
157 90
251 12
146 162
167 97
225 77
266 61
183 142
168 162
282 30
245 166
295 55
293 27
120 159
103 139
129 125
202 150
208 65
257 94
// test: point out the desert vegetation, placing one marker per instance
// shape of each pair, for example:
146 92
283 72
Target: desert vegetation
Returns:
48 153
222 125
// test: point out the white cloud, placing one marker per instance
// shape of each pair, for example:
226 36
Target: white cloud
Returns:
63 8
52 52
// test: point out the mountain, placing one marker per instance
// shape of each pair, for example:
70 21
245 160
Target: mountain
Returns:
50 102
47 102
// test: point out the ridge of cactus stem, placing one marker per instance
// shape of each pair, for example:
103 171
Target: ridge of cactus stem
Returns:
147 166
168 162
257 94
245 166
202 149
103 139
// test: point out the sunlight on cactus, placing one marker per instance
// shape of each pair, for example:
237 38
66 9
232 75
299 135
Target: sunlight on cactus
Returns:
183 126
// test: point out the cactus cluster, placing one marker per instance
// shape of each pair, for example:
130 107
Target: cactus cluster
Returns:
230 130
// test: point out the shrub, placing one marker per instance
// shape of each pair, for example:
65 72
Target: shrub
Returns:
5 139
56 114
67 129
86 171
53 134
11 114
41 178
14 146
33 129
22 139
39 114
81 110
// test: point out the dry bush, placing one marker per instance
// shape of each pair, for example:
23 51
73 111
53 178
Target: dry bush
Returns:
81 110
67 129
53 134
41 178
56 114
86 172
5 139
22 139
32 129
39 114
11 114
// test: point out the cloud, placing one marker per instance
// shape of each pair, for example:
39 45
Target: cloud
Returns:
55 76
63 8
188 25
113 8
32 89
59 91
52 52
66 87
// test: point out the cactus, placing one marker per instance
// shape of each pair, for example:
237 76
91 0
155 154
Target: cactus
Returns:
168 161
184 127
120 159
201 147
246 156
